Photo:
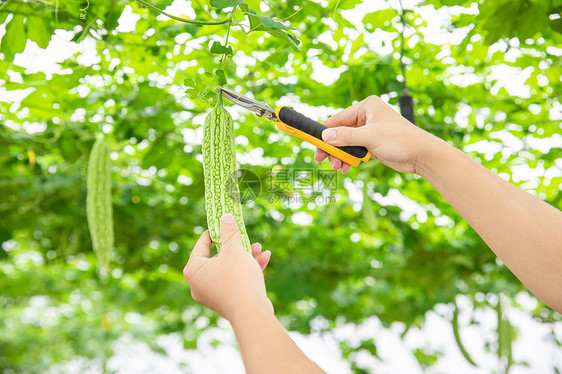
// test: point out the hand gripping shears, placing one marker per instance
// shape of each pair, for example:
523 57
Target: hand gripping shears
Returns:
295 124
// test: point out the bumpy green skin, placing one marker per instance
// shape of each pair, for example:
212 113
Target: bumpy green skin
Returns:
98 202
219 167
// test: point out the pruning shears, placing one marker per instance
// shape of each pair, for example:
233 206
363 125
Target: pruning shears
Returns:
296 124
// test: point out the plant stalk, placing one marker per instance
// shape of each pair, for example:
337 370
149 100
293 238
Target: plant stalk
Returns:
184 20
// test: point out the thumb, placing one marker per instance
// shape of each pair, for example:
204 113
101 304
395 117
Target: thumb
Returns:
202 247
230 233
343 135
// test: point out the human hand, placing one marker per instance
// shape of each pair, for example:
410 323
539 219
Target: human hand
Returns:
373 124
232 281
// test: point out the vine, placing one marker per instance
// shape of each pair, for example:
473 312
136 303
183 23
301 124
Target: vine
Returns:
198 88
83 12
185 20
405 101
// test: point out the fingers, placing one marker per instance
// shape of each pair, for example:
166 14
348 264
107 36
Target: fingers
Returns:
335 163
352 116
320 155
202 247
263 259
342 136
230 233
346 128
256 249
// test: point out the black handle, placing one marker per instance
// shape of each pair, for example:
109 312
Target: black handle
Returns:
298 121
407 107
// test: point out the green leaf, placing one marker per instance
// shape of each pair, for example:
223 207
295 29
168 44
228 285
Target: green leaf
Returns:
294 42
449 3
195 88
189 82
3 16
378 19
219 49
531 21
425 359
261 23
112 16
221 4
38 31
270 24
556 25
369 346
15 38
348 4
221 76
275 28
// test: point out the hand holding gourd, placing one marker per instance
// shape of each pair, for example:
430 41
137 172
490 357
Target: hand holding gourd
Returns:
231 281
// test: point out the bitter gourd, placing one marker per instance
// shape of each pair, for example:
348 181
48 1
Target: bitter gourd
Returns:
98 202
222 193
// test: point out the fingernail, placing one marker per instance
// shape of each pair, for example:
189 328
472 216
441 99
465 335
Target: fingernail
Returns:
329 135
332 165
227 218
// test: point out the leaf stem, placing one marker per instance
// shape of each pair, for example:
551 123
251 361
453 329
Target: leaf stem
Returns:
224 55
184 20
298 10
227 36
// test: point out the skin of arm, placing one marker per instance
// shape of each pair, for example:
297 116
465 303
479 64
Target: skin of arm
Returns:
232 284
522 230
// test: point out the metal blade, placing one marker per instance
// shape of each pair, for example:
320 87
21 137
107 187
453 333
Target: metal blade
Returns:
259 108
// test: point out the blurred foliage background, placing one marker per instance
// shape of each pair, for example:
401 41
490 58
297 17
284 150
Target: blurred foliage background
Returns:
362 252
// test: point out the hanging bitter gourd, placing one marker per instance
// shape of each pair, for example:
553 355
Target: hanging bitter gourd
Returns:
457 334
98 202
222 193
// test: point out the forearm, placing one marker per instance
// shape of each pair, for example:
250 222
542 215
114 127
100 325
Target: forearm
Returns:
523 231
265 345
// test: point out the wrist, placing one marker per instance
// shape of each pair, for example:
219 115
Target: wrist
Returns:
430 153
247 311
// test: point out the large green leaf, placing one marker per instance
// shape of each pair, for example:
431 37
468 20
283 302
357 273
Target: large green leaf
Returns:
38 30
378 19
221 4
262 23
293 42
15 39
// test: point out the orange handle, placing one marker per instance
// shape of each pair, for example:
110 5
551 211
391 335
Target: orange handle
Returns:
313 136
